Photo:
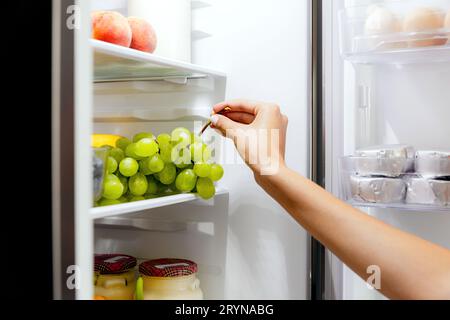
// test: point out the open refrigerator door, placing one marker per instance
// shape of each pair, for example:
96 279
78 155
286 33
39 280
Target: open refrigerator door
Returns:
386 74
231 241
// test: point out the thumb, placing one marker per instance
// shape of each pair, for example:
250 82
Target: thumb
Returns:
224 124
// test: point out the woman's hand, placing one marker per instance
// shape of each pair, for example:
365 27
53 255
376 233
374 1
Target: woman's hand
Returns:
258 130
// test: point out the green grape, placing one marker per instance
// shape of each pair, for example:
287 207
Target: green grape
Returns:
128 167
150 196
152 185
196 151
122 143
202 169
108 202
200 152
123 199
112 187
124 182
173 187
216 172
163 139
156 164
136 198
144 167
166 153
146 148
111 165
195 138
207 153
117 154
130 151
186 180
181 136
162 188
205 188
181 157
168 174
138 184
143 135
106 146
139 290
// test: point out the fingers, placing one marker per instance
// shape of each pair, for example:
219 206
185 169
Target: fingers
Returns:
223 123
239 105
241 117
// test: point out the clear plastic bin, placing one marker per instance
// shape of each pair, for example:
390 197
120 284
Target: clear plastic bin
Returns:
395 26
99 157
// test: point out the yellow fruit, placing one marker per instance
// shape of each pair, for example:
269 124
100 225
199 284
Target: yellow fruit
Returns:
99 298
99 140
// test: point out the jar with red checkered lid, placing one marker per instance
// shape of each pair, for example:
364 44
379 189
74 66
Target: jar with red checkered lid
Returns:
114 277
170 279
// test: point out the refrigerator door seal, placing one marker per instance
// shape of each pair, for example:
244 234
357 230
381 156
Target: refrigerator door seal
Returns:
317 144
63 151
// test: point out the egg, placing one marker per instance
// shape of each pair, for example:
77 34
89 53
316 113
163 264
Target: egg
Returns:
424 19
381 22
447 20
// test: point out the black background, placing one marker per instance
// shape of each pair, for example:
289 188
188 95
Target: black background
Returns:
26 123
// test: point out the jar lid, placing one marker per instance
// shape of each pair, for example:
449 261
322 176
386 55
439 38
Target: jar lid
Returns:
113 263
168 268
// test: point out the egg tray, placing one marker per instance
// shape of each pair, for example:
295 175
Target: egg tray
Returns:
394 27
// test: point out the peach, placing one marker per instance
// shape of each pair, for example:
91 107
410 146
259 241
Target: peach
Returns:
143 35
111 26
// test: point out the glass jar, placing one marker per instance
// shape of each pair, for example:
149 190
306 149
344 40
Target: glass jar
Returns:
114 277
170 279
115 286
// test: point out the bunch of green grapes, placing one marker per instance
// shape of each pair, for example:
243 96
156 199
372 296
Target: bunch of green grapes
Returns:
147 167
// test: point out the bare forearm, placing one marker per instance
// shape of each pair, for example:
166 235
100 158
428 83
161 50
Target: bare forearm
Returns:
410 266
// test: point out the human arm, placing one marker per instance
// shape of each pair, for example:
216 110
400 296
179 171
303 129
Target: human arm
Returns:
411 267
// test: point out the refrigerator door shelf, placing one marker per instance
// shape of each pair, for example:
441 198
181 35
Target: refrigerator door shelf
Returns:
139 86
152 114
407 191
401 207
141 224
402 57
395 32
138 206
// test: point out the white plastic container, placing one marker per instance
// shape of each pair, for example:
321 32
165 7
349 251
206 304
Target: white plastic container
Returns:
171 20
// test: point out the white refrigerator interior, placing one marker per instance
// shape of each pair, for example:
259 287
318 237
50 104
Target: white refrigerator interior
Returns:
398 97
246 245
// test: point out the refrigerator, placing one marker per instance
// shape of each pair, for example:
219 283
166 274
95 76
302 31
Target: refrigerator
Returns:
298 54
